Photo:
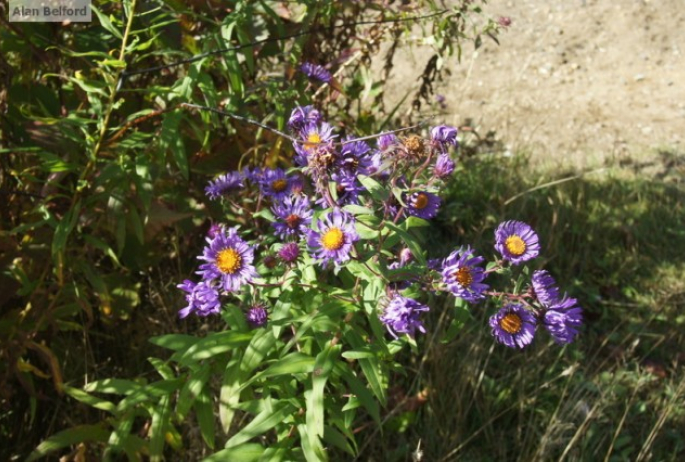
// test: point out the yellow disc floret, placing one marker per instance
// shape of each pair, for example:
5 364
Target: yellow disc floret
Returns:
333 239
313 139
228 261
511 323
463 276
515 245
279 185
420 201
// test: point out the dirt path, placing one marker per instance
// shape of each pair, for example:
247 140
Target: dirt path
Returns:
575 81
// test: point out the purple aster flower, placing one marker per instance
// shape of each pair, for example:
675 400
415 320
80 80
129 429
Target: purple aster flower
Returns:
516 241
355 158
294 215
443 136
257 316
387 141
444 166
275 183
316 72
435 264
513 326
422 204
229 259
316 150
376 164
302 116
562 319
462 275
289 252
440 99
401 316
252 174
406 256
315 135
296 185
224 184
215 229
202 298
335 238
347 188
544 288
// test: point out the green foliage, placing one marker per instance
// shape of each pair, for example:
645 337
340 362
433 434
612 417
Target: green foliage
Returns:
613 394
102 172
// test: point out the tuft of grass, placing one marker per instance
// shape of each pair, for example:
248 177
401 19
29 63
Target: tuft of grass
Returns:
614 239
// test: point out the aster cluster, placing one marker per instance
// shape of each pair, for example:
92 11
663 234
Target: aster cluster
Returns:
462 274
335 209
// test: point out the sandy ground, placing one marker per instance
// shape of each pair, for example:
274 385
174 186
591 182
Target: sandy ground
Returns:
573 81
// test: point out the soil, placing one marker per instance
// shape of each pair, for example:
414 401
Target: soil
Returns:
572 81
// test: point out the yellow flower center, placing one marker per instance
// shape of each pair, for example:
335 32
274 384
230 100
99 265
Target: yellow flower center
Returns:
333 239
279 185
228 261
420 201
313 139
511 323
515 245
463 276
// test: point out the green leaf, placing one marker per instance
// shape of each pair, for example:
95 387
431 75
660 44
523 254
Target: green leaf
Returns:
277 453
214 344
150 393
259 347
377 191
362 393
370 367
335 438
273 415
294 363
137 224
90 400
160 421
69 437
107 23
205 417
143 179
229 396
409 240
256 351
52 163
64 228
311 446
112 386
244 453
192 389
170 139
358 354
120 435
162 368
325 361
243 38
176 342
103 246
357 210
90 86
415 222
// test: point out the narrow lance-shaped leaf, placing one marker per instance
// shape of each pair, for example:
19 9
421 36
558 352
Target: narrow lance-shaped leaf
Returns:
66 438
263 422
